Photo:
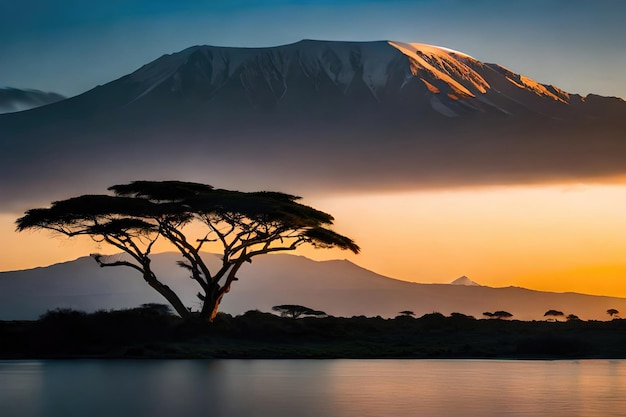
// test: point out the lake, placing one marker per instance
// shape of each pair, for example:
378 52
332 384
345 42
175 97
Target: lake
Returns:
312 388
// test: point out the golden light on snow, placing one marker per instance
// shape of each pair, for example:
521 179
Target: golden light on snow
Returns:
444 64
430 87
539 89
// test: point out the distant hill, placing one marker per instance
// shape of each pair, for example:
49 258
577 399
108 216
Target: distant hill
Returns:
338 287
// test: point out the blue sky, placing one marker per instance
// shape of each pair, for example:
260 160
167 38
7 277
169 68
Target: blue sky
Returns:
70 46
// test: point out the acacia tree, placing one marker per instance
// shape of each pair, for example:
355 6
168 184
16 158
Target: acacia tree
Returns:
245 224
500 314
572 317
294 311
554 313
612 312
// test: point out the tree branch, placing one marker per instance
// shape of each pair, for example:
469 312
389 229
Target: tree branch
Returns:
98 258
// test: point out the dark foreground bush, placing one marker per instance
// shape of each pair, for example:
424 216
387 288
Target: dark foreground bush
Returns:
151 331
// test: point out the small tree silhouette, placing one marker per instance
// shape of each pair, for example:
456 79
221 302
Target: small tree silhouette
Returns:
407 313
294 311
500 314
554 313
461 316
612 312
572 317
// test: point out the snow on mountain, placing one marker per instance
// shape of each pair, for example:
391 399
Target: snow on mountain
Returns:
342 115
443 65
383 72
464 281
14 100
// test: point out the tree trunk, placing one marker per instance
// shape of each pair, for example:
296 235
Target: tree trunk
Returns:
214 296
169 295
211 305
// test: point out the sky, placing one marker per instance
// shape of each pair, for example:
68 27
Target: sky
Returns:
70 46
558 237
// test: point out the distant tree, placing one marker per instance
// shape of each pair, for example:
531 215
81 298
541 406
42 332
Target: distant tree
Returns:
156 309
294 311
461 316
554 314
612 312
500 314
138 214
407 313
434 316
572 317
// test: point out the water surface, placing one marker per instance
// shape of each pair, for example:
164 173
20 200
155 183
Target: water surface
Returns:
315 388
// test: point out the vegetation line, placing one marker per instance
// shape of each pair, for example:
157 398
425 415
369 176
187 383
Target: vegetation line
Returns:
151 331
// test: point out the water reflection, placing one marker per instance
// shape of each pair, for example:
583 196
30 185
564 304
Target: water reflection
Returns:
341 388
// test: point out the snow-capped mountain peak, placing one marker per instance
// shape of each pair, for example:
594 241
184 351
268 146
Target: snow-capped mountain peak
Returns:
465 281
449 82
314 115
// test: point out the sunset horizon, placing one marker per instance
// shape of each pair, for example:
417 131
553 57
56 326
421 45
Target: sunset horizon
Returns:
573 247
544 217
322 208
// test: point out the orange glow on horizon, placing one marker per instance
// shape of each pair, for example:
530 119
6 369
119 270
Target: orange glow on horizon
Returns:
553 238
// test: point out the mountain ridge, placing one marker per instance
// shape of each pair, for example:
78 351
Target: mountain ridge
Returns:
340 288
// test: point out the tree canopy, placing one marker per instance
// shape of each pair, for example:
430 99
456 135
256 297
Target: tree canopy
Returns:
135 215
554 313
500 314
572 317
295 311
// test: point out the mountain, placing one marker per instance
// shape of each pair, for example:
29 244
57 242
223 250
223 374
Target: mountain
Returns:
315 115
13 99
339 288
464 281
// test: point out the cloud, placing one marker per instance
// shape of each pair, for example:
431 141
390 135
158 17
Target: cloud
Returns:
303 160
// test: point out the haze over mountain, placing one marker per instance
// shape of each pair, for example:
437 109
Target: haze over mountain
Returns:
312 115
14 99
339 288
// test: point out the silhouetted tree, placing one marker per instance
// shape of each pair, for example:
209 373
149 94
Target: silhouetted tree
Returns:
461 316
554 313
612 312
156 309
245 224
294 311
500 314
407 313
572 317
